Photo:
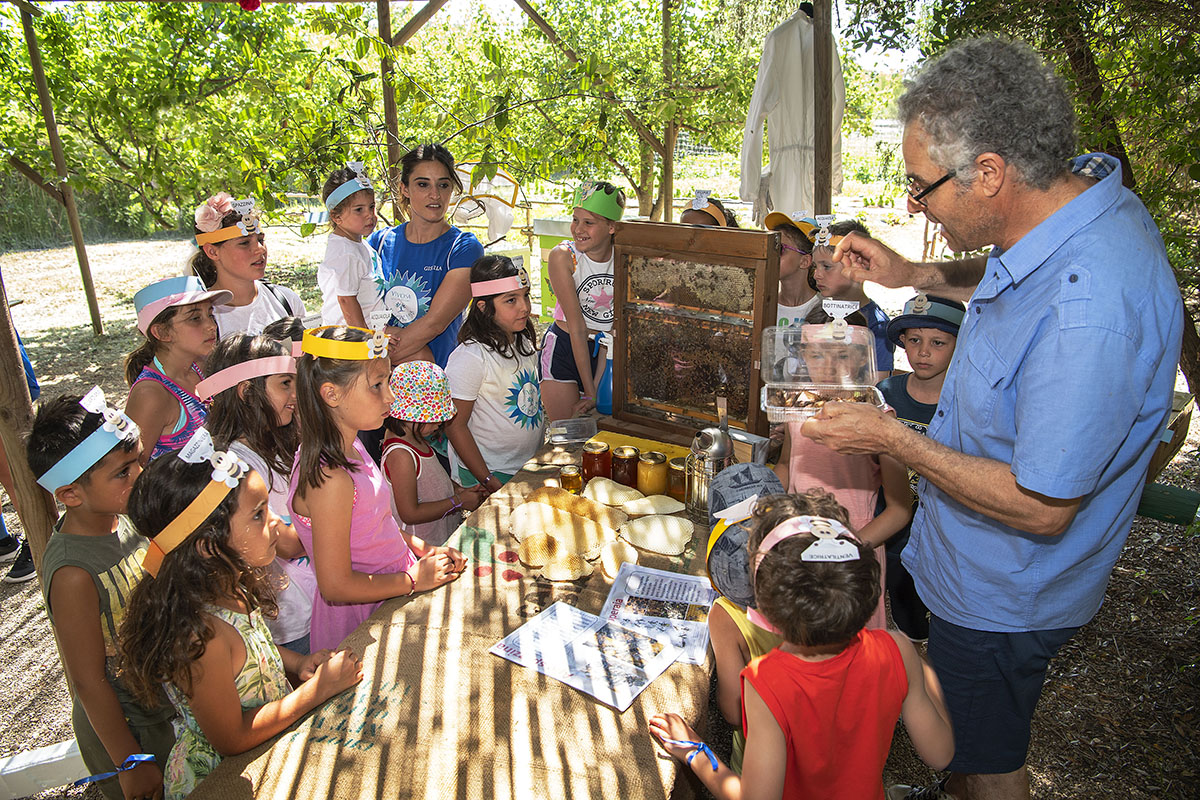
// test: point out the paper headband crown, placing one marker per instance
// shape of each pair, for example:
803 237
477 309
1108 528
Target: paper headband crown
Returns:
115 429
247 224
319 347
590 196
229 377
359 182
156 298
829 546
702 203
228 471
512 283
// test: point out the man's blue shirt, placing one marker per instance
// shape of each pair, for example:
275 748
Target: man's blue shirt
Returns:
1064 368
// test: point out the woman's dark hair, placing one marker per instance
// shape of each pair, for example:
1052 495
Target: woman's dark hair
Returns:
426 152
165 632
480 324
200 263
250 417
812 603
60 426
150 347
336 179
320 439
285 329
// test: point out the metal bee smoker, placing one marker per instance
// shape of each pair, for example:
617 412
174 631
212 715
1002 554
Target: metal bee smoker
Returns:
711 452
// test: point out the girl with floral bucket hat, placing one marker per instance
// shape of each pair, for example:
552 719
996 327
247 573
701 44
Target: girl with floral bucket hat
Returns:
425 502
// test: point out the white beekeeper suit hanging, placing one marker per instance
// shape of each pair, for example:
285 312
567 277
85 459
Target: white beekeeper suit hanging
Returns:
783 97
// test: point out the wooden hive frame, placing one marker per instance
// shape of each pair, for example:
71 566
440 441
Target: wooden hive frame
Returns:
754 252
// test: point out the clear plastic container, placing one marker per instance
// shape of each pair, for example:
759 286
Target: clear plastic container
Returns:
576 429
805 366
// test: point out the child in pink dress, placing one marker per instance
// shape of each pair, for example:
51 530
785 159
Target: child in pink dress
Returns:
340 502
425 501
855 480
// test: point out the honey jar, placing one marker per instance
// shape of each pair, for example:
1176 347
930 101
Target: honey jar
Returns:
677 479
570 478
625 465
652 473
597 461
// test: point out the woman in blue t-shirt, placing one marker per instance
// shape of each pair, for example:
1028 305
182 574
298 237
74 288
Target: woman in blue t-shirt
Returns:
426 261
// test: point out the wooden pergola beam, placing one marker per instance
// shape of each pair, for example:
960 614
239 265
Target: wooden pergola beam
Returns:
415 22
823 113
60 166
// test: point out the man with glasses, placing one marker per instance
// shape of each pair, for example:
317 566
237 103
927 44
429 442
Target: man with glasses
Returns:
1056 395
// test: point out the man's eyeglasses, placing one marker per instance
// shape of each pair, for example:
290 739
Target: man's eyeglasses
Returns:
918 194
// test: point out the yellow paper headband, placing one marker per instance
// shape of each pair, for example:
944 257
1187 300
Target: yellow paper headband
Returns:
319 347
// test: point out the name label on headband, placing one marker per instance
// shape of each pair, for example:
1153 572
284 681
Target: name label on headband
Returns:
839 309
830 550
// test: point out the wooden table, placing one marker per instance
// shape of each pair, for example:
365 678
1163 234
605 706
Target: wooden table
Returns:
437 716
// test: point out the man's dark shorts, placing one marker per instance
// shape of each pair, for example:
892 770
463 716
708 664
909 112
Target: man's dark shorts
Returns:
992 682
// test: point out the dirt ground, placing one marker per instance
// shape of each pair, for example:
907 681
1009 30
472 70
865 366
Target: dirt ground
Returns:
1118 717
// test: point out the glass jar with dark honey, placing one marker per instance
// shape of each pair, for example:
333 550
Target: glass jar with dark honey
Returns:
652 473
625 465
597 461
570 478
677 479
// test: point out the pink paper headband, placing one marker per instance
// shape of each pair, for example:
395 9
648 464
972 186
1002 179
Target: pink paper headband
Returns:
229 377
829 546
501 285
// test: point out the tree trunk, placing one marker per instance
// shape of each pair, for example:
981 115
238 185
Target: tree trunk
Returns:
1189 359
645 188
1091 86
668 173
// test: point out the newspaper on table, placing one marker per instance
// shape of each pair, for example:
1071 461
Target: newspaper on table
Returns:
599 657
661 603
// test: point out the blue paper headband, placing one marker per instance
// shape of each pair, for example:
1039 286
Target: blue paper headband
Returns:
116 428
359 182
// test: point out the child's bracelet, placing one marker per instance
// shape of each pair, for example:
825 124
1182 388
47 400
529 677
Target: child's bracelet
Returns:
483 482
700 747
454 506
412 583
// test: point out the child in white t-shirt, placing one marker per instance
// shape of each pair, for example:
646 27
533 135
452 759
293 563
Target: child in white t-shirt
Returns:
494 379
347 276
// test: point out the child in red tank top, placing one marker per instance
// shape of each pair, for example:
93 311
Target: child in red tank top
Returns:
819 710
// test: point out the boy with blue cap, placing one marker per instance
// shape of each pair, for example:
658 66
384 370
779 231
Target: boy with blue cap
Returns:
927 331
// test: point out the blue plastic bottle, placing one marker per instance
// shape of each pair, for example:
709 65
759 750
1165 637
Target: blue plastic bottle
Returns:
604 390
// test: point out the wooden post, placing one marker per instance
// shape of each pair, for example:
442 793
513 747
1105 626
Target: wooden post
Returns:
390 117
60 165
823 99
35 507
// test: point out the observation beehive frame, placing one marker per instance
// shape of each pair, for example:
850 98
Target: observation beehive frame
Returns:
690 307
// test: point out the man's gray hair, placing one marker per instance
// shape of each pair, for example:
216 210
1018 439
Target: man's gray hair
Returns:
993 95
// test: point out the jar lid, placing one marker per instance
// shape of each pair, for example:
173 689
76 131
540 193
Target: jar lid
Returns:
569 469
677 463
626 451
653 457
595 447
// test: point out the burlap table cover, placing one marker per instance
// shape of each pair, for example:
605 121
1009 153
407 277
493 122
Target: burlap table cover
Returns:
437 716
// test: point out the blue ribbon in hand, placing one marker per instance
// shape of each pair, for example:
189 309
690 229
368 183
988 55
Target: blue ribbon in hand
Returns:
129 763
700 747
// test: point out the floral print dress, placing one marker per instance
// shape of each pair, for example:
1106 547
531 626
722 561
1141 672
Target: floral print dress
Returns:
260 681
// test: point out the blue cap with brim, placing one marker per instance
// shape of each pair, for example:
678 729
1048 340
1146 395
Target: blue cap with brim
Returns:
927 311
